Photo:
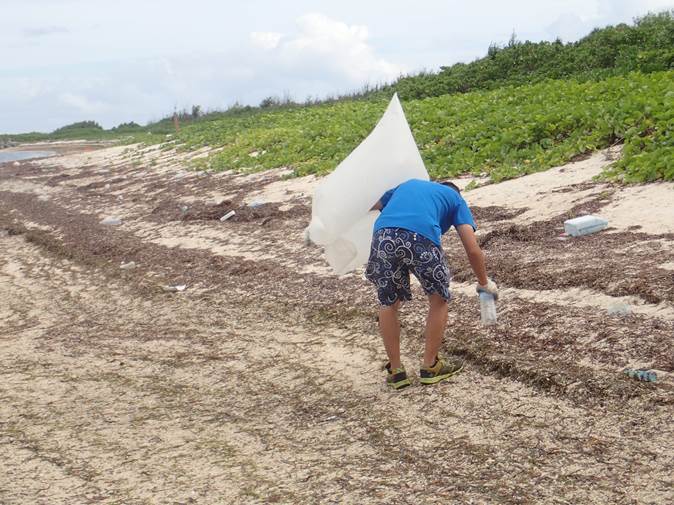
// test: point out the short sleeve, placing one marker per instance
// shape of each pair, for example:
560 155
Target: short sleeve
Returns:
463 215
386 197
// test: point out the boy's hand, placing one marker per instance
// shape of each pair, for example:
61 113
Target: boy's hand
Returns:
490 288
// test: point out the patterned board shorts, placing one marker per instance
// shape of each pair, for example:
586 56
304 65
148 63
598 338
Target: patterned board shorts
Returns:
396 252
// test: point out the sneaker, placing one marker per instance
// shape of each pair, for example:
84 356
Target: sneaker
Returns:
441 370
397 377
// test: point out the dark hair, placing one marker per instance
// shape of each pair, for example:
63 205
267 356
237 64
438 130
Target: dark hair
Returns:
450 184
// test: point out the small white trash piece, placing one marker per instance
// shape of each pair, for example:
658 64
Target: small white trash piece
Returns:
584 225
619 309
173 289
111 221
227 216
128 266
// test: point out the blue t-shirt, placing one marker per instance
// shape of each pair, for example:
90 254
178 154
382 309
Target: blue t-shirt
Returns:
425 207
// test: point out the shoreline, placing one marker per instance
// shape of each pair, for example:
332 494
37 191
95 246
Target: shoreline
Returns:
60 146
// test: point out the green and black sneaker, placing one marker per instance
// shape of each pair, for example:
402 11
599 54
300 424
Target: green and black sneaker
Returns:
441 370
397 377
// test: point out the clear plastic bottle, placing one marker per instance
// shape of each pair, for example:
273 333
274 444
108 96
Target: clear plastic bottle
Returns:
487 309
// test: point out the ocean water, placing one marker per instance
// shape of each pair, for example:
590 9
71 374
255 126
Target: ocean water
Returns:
23 155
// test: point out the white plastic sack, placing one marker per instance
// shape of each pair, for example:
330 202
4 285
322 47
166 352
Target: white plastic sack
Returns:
341 220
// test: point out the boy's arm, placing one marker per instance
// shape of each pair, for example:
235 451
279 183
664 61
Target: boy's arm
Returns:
476 258
381 203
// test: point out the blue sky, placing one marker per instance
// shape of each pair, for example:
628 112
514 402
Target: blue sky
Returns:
69 60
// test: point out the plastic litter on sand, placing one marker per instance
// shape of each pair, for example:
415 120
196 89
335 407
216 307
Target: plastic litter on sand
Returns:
110 220
584 225
642 375
227 216
487 309
173 289
619 309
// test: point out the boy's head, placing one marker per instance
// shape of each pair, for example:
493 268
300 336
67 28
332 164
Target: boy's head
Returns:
450 184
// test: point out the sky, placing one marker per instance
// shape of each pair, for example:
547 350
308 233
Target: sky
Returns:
63 61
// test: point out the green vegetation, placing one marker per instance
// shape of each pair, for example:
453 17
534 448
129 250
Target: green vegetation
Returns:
517 130
130 127
505 132
82 126
82 130
310 139
647 46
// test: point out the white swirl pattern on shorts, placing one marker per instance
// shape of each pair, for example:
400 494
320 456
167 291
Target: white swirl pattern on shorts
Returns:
395 252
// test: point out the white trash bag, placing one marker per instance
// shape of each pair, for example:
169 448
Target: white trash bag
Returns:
341 220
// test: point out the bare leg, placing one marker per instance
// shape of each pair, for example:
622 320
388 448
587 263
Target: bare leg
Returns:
389 327
436 321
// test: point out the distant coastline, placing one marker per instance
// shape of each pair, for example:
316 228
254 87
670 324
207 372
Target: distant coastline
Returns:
6 156
7 143
33 150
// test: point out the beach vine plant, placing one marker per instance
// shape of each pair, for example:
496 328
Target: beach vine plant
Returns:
502 133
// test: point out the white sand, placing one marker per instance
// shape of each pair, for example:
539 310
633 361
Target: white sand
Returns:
285 190
540 192
650 206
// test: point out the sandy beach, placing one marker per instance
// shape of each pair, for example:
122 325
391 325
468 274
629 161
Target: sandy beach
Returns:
261 382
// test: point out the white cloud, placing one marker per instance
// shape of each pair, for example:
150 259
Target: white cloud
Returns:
568 27
580 17
326 45
44 30
265 40
83 104
320 56
630 8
